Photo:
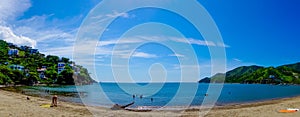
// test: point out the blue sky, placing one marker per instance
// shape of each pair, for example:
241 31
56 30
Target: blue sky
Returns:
260 32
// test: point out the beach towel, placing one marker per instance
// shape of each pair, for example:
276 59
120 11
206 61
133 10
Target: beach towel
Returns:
287 111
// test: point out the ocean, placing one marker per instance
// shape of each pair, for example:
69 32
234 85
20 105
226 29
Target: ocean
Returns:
165 94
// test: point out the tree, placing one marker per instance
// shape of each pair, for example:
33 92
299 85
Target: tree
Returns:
65 60
17 76
4 79
32 78
51 74
66 76
52 59
31 63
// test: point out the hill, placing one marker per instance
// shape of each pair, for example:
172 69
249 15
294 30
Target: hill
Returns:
27 66
295 66
257 74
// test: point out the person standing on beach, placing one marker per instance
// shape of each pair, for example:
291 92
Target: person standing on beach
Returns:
54 101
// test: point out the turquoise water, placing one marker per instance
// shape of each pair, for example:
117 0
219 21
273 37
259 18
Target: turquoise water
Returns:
190 94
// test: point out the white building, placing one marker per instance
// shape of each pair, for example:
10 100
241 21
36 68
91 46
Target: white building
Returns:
33 51
41 72
17 67
25 48
61 67
13 52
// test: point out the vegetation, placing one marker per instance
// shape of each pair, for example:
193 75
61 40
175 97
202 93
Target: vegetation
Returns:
288 74
32 61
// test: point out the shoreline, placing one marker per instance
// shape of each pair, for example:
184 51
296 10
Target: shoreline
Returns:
163 108
15 104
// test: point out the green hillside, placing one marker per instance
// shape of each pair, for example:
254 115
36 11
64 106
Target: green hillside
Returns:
295 66
30 67
236 74
256 74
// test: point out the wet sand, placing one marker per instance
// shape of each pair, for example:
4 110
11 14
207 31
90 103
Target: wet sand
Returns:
16 105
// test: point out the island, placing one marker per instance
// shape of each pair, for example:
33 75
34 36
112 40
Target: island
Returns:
24 65
285 74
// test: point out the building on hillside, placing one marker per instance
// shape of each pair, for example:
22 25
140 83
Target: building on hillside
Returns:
17 67
33 51
61 67
26 71
25 48
272 76
41 72
12 52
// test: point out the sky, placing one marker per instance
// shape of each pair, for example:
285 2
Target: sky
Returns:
254 32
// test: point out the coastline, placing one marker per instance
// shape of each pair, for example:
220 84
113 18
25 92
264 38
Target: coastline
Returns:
15 104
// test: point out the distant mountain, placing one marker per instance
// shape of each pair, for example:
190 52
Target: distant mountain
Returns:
204 80
257 74
295 66
236 74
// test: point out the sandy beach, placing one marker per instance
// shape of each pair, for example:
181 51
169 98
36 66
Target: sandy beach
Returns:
16 105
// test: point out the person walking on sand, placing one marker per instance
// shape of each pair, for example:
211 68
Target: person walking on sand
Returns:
54 101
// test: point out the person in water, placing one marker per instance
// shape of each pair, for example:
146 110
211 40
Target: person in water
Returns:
54 101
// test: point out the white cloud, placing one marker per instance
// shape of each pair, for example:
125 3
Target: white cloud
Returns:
118 14
125 43
139 39
176 55
223 45
10 9
59 51
8 35
35 31
178 66
236 59
143 55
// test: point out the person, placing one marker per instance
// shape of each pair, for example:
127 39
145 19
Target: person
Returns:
54 101
151 99
141 96
133 96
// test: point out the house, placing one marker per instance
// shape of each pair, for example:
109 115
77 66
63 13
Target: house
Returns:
17 67
12 52
272 77
33 51
25 48
61 67
41 72
26 71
